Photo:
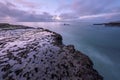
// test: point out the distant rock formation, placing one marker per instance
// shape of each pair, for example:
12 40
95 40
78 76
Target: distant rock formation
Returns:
111 24
66 24
6 26
39 54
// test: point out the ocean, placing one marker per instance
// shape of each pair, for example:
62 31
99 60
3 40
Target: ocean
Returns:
100 43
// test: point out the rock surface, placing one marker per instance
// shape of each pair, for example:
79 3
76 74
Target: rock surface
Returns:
39 54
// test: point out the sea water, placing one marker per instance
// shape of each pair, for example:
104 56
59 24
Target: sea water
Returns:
100 43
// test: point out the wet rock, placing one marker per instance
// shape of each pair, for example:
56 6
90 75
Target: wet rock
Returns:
39 54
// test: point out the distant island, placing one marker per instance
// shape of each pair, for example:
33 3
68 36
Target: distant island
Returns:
111 24
66 24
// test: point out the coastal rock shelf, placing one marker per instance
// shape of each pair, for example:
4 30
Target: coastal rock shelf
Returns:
39 54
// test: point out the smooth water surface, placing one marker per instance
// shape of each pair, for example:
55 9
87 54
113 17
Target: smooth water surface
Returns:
100 43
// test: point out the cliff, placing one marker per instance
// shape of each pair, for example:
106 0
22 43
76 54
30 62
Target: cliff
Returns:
39 54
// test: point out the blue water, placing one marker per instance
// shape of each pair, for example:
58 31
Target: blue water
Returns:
100 43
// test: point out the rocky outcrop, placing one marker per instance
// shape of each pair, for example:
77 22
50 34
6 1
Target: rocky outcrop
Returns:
6 26
117 24
39 54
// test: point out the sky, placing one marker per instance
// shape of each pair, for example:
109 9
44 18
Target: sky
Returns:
59 10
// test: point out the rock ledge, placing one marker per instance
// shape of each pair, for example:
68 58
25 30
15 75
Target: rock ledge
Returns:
39 54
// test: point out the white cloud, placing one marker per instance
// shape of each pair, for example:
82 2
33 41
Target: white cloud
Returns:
105 15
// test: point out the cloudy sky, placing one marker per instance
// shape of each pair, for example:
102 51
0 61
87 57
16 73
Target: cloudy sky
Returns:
59 10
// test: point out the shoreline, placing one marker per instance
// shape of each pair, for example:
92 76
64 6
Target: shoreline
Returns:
45 50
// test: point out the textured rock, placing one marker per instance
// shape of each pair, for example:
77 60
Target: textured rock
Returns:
39 54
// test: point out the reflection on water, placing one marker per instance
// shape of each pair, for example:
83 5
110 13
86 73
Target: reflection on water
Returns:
101 44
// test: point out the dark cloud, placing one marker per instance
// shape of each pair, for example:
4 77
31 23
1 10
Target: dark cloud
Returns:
68 16
20 15
35 17
87 7
90 7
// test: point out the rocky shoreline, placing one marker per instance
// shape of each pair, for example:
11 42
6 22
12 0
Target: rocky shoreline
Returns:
39 54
